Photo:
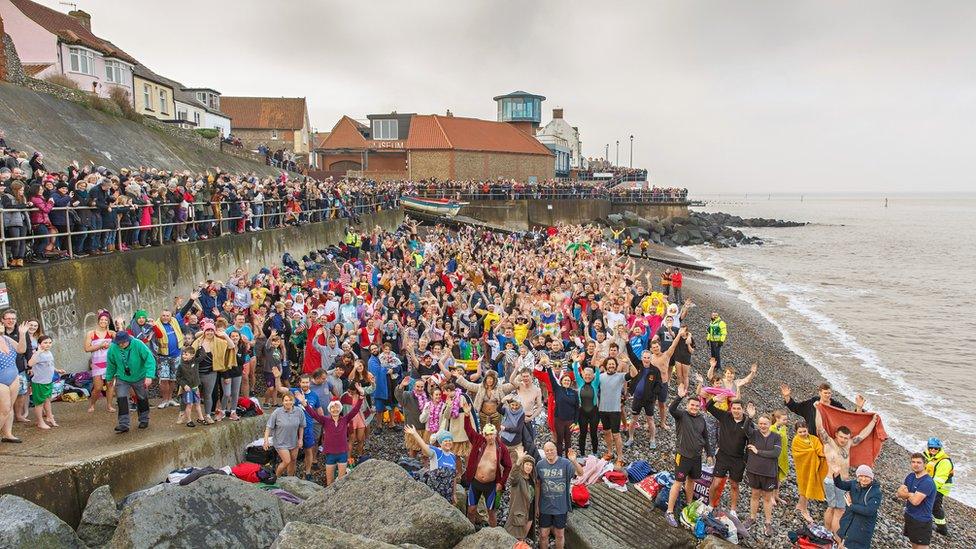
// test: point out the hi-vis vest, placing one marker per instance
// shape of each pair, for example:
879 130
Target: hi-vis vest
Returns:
940 468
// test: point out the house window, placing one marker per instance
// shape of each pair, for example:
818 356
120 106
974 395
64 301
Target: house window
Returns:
386 129
162 102
196 118
147 96
82 61
201 97
115 72
181 115
274 134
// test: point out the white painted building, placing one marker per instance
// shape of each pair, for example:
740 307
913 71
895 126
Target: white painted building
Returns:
560 129
213 117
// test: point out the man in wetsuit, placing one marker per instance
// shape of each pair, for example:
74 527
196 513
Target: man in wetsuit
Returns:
486 473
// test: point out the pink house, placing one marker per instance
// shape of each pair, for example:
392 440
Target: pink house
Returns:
50 42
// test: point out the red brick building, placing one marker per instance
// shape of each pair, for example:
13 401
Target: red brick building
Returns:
418 146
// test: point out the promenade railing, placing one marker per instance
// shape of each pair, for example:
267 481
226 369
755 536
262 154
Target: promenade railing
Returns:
558 193
203 220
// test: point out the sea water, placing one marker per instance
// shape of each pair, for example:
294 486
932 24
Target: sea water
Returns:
880 299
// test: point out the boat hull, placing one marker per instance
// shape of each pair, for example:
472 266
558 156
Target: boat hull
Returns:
433 206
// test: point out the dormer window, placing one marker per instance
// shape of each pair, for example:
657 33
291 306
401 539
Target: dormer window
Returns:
388 129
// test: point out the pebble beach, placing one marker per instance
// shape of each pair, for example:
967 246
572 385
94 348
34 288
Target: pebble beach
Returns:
754 339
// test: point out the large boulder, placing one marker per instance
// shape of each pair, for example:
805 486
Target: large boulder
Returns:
630 217
99 519
380 500
681 237
615 219
488 538
304 489
26 525
302 535
214 511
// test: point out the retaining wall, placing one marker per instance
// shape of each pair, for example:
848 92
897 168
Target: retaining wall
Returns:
523 214
65 296
64 490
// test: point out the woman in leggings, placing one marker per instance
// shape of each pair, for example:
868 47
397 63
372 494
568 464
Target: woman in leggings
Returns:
216 356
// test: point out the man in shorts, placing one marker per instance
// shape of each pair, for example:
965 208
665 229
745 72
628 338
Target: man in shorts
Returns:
611 390
692 438
762 467
918 491
486 473
553 486
730 461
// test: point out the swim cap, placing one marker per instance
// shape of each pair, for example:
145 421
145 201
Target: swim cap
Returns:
489 429
935 443
444 436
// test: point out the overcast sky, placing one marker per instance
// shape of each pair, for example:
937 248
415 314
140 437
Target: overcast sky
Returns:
743 96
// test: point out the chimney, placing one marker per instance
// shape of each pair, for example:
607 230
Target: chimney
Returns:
83 17
557 113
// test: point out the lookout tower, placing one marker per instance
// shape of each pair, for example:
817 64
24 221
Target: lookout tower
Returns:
521 109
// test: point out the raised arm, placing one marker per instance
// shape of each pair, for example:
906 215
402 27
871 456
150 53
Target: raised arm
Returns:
866 432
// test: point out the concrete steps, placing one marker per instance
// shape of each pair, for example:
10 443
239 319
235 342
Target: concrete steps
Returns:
622 520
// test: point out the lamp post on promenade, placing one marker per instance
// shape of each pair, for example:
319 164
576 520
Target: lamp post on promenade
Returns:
631 151
617 161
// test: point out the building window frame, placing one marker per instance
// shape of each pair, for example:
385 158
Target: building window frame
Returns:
196 118
81 60
115 72
147 96
274 134
163 101
386 129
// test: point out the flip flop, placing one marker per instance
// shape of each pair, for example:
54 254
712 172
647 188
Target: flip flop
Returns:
13 440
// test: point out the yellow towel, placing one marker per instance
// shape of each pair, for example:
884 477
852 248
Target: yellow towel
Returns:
811 466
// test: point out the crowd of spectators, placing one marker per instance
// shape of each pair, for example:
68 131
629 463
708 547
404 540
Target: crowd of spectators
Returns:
89 210
507 189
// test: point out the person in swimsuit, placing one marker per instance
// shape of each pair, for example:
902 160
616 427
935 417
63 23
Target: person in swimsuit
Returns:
10 381
97 342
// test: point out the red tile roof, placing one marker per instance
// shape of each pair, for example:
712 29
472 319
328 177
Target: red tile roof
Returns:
431 131
345 135
69 29
318 138
265 113
33 69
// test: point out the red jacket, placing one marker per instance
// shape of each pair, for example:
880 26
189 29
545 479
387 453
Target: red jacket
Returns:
676 279
503 463
313 359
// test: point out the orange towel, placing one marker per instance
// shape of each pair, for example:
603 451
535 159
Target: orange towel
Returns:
811 467
867 451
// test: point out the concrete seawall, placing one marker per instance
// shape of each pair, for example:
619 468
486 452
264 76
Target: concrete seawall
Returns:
59 470
527 213
65 296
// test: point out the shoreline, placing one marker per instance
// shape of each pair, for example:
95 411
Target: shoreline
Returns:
754 338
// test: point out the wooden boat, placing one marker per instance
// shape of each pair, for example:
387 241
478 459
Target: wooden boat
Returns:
433 206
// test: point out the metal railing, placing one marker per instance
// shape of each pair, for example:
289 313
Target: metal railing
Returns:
267 214
629 196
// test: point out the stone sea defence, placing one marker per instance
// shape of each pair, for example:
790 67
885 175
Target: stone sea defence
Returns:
376 506
718 229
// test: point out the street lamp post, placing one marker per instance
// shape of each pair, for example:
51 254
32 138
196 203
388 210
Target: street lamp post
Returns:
606 155
617 161
631 151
